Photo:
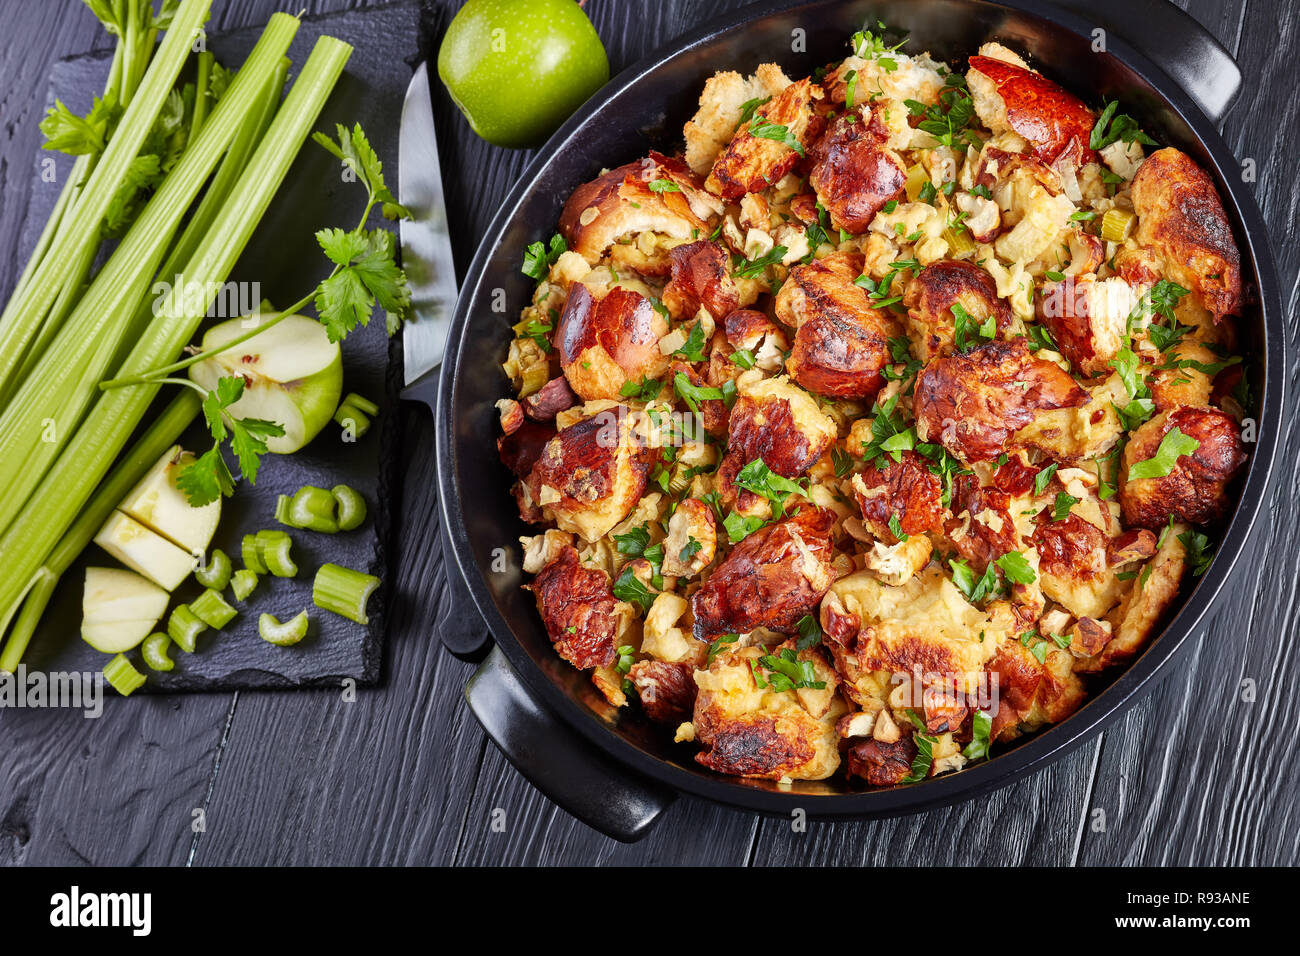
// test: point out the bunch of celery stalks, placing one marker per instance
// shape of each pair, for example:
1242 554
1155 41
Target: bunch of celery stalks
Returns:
65 463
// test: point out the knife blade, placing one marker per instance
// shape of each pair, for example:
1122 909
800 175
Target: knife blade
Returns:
426 241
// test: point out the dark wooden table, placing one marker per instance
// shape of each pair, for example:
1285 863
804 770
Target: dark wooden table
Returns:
1203 771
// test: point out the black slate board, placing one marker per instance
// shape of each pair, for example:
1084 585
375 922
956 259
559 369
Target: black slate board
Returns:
284 259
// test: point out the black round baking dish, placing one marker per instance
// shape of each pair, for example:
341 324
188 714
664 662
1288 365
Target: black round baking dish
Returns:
617 772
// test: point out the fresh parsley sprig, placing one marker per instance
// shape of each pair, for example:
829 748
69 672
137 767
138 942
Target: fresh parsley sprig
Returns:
208 477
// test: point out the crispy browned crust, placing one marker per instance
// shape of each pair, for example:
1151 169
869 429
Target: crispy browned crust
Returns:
1056 123
549 400
751 163
590 467
666 689
981 542
882 764
713 411
623 324
842 343
1064 308
1137 544
701 276
1196 489
745 328
1181 217
764 429
771 579
931 294
577 607
784 735
520 449
1072 548
972 404
622 202
1026 686
854 173
904 489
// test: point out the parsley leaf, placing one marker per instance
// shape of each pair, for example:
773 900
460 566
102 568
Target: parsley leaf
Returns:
763 128
1016 568
693 348
1173 445
1064 502
810 632
1199 551
981 736
539 257
367 275
208 477
1111 127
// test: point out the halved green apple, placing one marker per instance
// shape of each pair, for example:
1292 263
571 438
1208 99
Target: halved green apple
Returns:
144 550
119 609
159 505
293 375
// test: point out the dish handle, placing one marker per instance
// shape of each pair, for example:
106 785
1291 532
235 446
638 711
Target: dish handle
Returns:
553 757
1175 41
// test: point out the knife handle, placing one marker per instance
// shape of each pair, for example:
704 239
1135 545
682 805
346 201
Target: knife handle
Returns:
459 625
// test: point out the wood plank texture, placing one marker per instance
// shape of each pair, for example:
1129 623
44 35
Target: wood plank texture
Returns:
402 774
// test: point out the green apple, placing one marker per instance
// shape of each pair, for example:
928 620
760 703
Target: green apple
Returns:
518 68
119 609
144 550
292 372
161 507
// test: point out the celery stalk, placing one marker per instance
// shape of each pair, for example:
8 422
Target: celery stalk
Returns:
65 380
83 225
160 436
87 456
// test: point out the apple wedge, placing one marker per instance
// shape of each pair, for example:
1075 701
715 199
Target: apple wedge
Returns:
119 609
161 507
143 550
292 372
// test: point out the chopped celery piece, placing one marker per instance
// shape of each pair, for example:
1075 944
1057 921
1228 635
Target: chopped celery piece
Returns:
251 552
343 591
155 649
184 628
211 608
243 584
362 404
273 548
313 509
349 414
216 573
282 514
290 632
125 679
351 507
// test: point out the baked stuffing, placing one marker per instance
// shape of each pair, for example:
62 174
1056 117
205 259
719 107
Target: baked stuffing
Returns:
860 433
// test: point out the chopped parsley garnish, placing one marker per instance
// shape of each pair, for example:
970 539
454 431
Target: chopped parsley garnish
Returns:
646 390
786 672
664 186
1173 445
981 736
1043 477
763 128
1064 502
810 632
1199 551
753 268
1016 568
693 348
539 257
629 588
743 358
1112 126
693 394
763 481
969 331
720 643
